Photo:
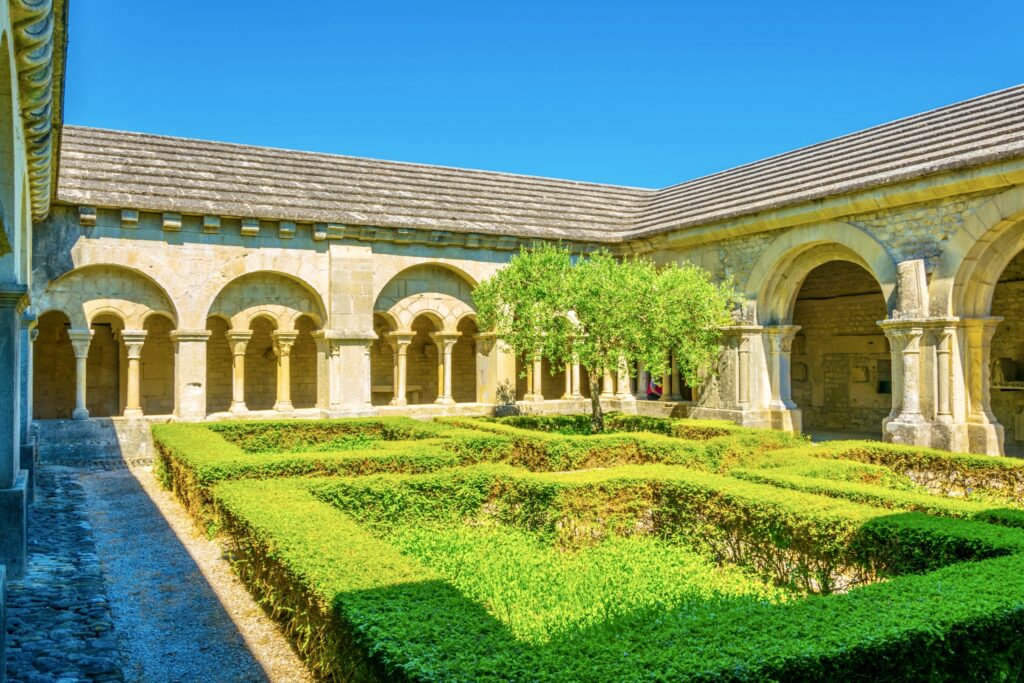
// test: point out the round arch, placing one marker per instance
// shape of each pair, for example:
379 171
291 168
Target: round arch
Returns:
776 278
277 296
89 291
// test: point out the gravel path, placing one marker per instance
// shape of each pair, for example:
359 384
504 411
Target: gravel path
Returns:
121 586
180 611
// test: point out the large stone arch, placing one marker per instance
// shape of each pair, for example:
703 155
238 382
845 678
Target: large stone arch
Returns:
964 279
388 272
775 280
430 289
277 296
90 291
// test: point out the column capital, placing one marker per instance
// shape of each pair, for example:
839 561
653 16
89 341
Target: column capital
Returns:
80 341
399 340
190 335
445 340
238 339
780 337
133 341
283 341
485 341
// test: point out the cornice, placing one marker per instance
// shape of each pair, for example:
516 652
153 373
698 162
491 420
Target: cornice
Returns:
39 49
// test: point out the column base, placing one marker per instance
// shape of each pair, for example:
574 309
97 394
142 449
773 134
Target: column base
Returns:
284 406
13 526
132 412
238 408
787 419
399 402
80 414
985 438
444 401
742 417
534 398
908 430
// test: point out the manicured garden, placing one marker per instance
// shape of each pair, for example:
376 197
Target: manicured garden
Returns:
526 548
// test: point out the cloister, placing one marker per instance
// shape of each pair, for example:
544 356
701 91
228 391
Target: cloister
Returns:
154 278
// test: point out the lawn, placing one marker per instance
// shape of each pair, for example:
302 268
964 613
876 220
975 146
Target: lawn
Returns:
526 549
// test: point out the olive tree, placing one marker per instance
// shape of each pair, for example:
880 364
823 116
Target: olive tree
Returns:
605 314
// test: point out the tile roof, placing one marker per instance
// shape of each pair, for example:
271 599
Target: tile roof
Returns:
119 169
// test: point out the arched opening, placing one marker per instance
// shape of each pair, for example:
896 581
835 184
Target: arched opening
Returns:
464 363
382 361
157 367
218 366
1007 371
104 380
422 366
841 367
261 366
53 359
303 364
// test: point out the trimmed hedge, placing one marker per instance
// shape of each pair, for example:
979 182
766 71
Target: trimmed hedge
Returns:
957 474
807 541
280 436
361 611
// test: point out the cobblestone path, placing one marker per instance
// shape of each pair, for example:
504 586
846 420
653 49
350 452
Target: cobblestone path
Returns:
58 617
121 587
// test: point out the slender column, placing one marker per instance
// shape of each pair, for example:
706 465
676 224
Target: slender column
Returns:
28 335
780 346
400 346
677 382
577 390
908 426
445 343
641 382
80 343
133 341
190 373
535 380
623 391
943 365
239 340
607 385
567 394
283 341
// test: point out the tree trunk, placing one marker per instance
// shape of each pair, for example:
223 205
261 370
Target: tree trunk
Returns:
596 415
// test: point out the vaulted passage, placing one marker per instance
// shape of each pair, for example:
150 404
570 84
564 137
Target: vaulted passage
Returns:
841 367
1007 379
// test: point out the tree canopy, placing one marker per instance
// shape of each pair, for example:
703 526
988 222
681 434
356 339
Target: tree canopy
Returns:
605 313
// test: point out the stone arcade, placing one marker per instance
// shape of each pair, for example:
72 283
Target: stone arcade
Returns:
166 278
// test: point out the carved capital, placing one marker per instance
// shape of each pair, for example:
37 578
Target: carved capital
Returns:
283 342
238 340
400 340
80 340
133 341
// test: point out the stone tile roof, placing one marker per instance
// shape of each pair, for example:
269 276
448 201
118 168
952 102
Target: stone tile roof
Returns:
119 169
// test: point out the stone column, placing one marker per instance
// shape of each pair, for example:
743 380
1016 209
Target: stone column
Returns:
567 394
677 382
623 390
28 336
400 346
535 380
577 390
80 343
943 371
780 346
190 373
133 341
908 426
344 363
445 343
641 382
283 341
666 386
984 433
13 480
607 385
239 340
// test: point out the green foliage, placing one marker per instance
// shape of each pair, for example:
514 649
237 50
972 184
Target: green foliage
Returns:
650 552
606 313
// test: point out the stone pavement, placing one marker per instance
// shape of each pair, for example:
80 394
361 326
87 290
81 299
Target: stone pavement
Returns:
120 586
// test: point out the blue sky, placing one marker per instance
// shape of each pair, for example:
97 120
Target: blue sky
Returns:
635 93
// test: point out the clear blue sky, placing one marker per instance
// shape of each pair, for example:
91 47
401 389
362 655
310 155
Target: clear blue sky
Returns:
637 93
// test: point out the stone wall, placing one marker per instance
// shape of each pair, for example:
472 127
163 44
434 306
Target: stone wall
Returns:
303 366
218 367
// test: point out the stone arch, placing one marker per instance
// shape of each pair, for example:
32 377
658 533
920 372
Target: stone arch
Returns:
775 280
276 296
423 359
965 277
90 291
53 382
438 291
382 361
